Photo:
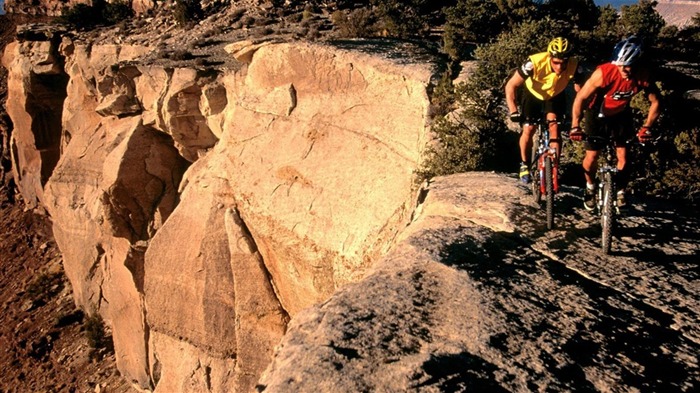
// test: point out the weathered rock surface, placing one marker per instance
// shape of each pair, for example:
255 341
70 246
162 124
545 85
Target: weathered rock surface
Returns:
300 176
478 297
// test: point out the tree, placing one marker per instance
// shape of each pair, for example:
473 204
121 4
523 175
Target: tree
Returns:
642 20
595 45
580 14
518 11
471 22
405 19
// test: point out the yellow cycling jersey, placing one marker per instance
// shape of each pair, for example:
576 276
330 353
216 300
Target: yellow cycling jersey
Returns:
540 78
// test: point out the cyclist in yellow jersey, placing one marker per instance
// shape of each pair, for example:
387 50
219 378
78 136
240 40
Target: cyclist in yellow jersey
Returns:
545 76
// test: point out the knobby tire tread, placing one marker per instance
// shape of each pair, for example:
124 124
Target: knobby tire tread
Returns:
549 188
536 191
608 214
535 172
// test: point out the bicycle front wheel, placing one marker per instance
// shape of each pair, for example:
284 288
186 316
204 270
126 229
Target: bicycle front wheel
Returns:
549 189
608 213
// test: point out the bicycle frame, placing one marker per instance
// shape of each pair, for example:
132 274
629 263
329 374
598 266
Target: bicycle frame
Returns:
607 192
544 171
609 167
538 157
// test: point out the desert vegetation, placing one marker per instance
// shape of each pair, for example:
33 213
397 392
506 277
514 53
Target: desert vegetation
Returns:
474 135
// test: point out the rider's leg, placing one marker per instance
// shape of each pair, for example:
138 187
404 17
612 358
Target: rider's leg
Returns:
531 111
590 166
554 133
623 130
554 112
526 142
621 152
622 175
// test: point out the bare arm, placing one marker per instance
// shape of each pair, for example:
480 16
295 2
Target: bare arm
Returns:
653 108
594 82
514 82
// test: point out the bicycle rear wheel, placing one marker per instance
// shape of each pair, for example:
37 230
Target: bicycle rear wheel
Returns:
549 189
536 190
608 213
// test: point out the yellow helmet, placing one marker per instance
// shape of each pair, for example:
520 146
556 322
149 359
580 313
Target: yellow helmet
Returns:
559 48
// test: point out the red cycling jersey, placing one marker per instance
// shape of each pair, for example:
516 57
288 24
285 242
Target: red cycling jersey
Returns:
616 92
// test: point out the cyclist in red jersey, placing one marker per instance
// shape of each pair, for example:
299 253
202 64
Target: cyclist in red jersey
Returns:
608 93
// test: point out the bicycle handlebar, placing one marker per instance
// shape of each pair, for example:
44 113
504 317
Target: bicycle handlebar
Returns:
607 139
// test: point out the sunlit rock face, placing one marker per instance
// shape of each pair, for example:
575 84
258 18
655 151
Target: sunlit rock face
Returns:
199 210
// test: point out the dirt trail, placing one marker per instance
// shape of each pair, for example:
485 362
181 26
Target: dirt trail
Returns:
643 300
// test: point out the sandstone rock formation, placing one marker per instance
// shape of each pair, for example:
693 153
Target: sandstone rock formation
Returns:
211 214
197 210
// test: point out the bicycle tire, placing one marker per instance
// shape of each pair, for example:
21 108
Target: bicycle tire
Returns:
536 190
549 189
534 167
608 214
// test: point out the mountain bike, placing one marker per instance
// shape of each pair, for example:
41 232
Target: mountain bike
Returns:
607 200
544 170
606 203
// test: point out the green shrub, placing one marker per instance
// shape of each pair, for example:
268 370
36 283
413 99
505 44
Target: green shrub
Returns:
471 22
100 13
580 14
95 331
357 23
81 17
44 286
99 341
403 19
683 178
469 138
117 12
642 20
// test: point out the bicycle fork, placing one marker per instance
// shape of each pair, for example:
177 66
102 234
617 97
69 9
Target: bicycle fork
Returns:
552 154
601 186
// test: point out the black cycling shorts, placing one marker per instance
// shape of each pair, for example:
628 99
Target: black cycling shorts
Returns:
533 109
620 126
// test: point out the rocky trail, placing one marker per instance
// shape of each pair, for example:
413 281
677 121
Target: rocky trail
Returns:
547 311
634 314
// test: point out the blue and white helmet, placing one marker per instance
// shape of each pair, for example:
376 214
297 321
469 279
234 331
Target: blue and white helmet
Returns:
627 51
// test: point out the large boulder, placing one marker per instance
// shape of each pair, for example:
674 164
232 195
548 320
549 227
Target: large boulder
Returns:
310 182
301 174
322 146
